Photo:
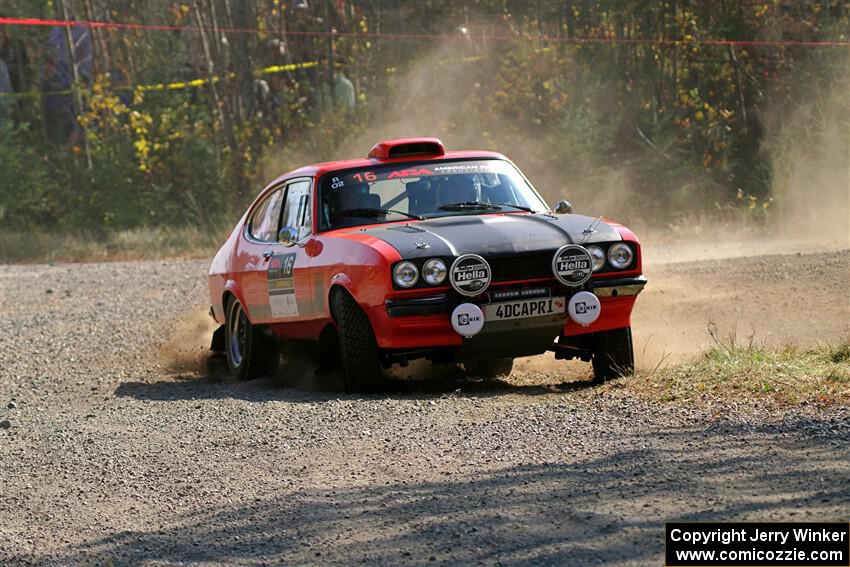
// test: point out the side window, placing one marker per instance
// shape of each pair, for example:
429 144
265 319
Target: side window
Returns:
297 213
264 221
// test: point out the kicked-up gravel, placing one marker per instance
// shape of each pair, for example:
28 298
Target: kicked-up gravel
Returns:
117 447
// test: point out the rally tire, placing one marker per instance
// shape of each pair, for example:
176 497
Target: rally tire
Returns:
489 369
613 355
358 349
250 351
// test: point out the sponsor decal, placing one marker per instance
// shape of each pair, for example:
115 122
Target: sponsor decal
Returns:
413 172
464 168
507 294
584 308
470 274
467 319
371 176
572 265
282 286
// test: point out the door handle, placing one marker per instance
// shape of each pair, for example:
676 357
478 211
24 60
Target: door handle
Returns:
267 255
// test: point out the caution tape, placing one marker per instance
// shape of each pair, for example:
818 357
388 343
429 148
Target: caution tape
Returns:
180 85
230 76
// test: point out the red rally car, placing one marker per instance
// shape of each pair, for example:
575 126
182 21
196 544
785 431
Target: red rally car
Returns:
416 252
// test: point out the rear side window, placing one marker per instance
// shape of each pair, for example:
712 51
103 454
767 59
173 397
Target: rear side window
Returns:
266 217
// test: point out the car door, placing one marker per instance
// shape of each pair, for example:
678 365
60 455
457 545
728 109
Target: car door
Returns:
257 246
289 291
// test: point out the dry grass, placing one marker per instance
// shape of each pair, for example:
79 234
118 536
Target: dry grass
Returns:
135 244
745 371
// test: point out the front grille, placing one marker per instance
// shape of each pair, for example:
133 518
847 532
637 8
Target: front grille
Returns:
522 267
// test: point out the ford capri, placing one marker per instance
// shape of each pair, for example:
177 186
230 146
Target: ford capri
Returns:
415 252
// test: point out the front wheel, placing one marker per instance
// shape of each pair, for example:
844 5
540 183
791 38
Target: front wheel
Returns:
613 356
358 349
490 369
250 353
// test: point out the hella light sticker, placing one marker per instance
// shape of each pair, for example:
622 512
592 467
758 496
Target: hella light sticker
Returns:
470 275
572 265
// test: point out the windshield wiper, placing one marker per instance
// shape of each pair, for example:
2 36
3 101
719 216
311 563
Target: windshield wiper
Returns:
469 205
372 212
482 206
520 207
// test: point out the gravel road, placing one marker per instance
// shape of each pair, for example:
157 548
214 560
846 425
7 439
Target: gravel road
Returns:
119 451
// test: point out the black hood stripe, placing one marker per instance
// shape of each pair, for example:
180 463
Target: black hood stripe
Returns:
493 235
447 243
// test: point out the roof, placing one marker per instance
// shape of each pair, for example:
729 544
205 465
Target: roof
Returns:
320 169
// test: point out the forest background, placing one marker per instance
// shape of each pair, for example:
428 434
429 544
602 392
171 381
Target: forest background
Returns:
149 134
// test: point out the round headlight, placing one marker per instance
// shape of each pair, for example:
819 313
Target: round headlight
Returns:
620 255
405 274
434 271
598 257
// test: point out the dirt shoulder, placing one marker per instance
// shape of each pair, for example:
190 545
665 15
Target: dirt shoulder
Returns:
119 452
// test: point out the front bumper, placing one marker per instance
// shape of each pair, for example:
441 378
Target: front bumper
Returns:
442 303
412 323
418 306
619 287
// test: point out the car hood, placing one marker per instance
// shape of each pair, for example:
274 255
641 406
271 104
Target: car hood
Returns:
493 235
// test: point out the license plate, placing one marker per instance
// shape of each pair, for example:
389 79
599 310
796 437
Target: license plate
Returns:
526 308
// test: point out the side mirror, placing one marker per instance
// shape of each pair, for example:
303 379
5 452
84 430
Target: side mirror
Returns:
563 208
288 236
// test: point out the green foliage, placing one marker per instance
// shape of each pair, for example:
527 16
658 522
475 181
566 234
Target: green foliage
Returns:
841 353
656 130
738 371
30 193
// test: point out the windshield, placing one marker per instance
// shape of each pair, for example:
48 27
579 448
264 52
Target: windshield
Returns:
396 192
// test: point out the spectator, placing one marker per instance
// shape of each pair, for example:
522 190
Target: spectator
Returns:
344 96
14 54
343 91
57 78
6 101
59 119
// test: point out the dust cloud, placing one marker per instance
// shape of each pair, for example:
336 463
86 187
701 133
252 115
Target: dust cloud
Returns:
443 93
186 354
810 145
186 351
448 93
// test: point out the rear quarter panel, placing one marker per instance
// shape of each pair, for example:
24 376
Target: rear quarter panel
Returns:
220 275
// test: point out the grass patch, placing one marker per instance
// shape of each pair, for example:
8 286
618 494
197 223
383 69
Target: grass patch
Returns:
730 371
841 353
134 244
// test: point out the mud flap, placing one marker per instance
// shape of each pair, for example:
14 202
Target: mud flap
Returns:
217 344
